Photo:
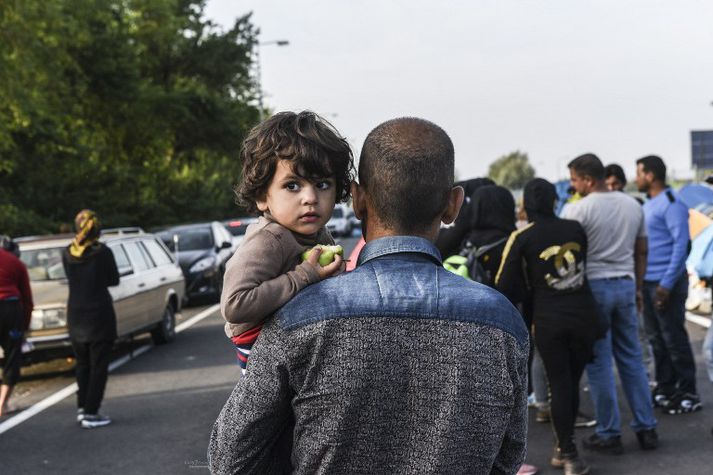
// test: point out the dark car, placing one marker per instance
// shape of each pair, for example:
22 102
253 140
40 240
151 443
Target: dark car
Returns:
202 251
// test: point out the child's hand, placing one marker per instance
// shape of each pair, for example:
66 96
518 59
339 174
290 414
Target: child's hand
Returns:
336 267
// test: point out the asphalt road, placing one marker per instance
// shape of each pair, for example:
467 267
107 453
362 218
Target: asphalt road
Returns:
165 400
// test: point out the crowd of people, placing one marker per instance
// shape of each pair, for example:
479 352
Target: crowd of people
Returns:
401 364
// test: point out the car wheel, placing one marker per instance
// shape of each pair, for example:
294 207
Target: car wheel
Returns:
165 331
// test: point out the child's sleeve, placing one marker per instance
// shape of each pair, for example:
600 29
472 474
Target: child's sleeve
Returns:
254 287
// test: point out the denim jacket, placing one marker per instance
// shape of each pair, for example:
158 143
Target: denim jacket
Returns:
398 366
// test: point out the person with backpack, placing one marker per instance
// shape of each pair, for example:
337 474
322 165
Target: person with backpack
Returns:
544 262
491 219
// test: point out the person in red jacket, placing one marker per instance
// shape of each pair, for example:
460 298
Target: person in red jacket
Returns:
15 313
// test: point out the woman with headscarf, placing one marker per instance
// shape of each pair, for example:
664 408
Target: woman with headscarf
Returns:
90 269
491 219
545 261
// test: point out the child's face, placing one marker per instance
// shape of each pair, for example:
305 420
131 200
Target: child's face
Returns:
300 205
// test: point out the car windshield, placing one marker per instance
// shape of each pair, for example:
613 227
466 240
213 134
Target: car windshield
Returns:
44 264
337 213
195 239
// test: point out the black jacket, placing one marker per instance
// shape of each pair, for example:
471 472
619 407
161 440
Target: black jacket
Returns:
90 310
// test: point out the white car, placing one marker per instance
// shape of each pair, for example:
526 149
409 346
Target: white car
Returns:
340 224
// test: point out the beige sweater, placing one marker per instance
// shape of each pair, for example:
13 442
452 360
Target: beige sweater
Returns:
265 273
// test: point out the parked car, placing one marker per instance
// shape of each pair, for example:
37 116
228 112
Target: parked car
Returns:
148 296
202 251
238 226
340 224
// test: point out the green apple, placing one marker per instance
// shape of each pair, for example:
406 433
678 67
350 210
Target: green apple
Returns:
328 253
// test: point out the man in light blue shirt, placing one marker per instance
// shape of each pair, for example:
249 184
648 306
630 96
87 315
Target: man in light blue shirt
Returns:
666 289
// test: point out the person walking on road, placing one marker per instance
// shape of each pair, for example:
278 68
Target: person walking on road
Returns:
15 314
545 261
91 269
666 290
399 366
616 261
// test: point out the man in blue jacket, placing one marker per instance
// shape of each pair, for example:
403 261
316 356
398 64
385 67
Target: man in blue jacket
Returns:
397 367
666 289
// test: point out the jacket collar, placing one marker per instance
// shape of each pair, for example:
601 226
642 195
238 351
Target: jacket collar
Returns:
396 245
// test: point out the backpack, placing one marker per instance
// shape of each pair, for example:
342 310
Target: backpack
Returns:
467 262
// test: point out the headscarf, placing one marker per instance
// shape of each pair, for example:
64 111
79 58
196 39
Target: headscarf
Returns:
88 228
539 197
493 208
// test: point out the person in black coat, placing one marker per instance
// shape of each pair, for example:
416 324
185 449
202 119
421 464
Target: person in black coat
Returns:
90 268
545 262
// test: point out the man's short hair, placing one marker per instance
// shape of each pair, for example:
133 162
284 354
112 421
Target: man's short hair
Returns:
588 165
312 145
616 171
407 168
653 164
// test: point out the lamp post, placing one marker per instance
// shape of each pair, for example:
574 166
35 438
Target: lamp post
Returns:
258 71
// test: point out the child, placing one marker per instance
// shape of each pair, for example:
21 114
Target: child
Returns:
295 168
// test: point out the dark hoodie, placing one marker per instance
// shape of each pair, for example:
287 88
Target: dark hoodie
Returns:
90 310
545 260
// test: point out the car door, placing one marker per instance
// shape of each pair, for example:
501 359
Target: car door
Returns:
140 289
169 274
124 306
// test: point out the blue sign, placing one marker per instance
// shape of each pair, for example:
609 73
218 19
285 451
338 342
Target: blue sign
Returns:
702 149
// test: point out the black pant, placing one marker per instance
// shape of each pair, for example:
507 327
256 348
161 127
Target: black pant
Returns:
92 371
12 323
666 331
566 347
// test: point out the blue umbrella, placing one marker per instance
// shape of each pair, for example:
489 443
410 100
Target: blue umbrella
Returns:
701 256
694 195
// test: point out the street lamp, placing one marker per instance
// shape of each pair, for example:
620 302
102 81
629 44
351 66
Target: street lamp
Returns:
258 71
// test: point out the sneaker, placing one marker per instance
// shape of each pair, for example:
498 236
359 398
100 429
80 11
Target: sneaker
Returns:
611 445
543 415
583 420
648 439
572 463
575 465
684 403
80 414
661 400
531 402
91 421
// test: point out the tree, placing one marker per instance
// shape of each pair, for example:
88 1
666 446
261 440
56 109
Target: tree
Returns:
512 170
134 108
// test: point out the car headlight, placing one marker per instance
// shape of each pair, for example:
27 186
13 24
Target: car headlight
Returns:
203 264
46 318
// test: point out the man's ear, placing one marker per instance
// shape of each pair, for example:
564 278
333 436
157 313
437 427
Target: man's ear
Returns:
358 200
455 201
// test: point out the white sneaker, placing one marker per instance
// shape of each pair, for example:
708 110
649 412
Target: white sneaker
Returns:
91 421
80 414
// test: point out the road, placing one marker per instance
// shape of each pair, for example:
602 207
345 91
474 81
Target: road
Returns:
165 400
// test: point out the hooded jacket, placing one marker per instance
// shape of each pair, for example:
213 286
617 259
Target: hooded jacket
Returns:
90 309
546 259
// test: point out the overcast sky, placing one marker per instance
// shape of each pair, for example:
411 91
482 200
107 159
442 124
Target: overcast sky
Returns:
553 78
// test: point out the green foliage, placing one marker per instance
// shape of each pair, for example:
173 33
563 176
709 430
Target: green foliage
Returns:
512 170
134 108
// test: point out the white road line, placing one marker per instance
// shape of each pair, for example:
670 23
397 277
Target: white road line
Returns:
53 399
698 320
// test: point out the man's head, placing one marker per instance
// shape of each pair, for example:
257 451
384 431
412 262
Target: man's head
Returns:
615 177
649 170
406 173
586 173
310 145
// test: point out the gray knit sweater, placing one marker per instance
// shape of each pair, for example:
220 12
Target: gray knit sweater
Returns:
396 367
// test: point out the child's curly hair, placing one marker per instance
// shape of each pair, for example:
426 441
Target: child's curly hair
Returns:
312 144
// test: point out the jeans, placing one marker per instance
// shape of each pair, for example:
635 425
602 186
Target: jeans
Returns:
539 381
616 299
666 330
